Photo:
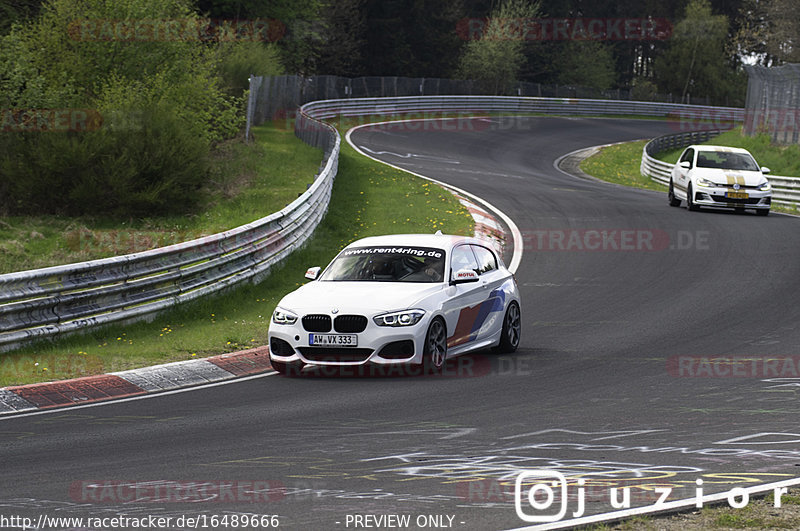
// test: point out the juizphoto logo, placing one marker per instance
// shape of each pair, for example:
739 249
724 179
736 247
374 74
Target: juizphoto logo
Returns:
542 496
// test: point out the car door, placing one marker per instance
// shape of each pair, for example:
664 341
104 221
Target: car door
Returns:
462 305
492 279
681 180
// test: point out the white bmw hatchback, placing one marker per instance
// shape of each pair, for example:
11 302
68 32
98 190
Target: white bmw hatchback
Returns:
394 300
722 177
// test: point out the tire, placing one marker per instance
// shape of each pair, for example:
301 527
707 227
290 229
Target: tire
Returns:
762 212
287 369
673 201
434 354
690 200
512 329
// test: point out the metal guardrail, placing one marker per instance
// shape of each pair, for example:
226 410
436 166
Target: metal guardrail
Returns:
46 302
785 190
659 170
476 104
63 299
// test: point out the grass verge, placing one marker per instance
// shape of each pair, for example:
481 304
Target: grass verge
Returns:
368 199
619 164
759 513
247 182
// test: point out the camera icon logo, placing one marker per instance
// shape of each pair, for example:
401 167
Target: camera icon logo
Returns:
545 483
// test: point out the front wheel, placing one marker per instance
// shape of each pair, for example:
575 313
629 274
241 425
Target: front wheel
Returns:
434 355
673 201
512 329
762 212
690 200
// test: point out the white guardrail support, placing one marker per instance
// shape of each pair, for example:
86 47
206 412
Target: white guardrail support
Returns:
52 301
785 190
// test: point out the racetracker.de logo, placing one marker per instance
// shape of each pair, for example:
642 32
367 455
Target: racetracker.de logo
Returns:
49 120
781 120
564 29
73 365
614 240
595 490
397 120
176 30
734 366
167 491
116 242
472 366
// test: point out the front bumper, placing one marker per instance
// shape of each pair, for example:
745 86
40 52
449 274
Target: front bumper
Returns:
717 197
382 345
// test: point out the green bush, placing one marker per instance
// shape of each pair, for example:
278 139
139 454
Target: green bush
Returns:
151 163
239 60
161 100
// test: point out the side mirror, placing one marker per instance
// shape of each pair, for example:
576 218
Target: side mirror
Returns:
313 272
686 165
463 276
764 169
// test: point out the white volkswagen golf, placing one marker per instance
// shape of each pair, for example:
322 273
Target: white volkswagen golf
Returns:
719 176
400 299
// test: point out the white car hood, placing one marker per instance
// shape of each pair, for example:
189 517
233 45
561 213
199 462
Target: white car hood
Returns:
731 177
357 297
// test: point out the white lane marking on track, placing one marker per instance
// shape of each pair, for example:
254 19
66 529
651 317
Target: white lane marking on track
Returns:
138 397
413 155
515 232
485 173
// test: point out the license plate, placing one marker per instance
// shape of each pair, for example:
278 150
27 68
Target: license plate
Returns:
737 195
329 340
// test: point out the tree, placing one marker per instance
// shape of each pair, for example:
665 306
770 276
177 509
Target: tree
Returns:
12 11
768 32
496 57
784 41
342 39
300 21
587 64
696 61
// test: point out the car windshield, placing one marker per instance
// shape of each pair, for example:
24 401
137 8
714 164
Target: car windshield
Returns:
726 161
387 264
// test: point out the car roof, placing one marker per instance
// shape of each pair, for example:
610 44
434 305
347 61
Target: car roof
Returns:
705 147
440 241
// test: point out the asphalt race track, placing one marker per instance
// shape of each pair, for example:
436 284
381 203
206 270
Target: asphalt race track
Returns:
660 347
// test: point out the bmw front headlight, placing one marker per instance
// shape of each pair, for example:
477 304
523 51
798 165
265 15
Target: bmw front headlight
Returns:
403 318
283 317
